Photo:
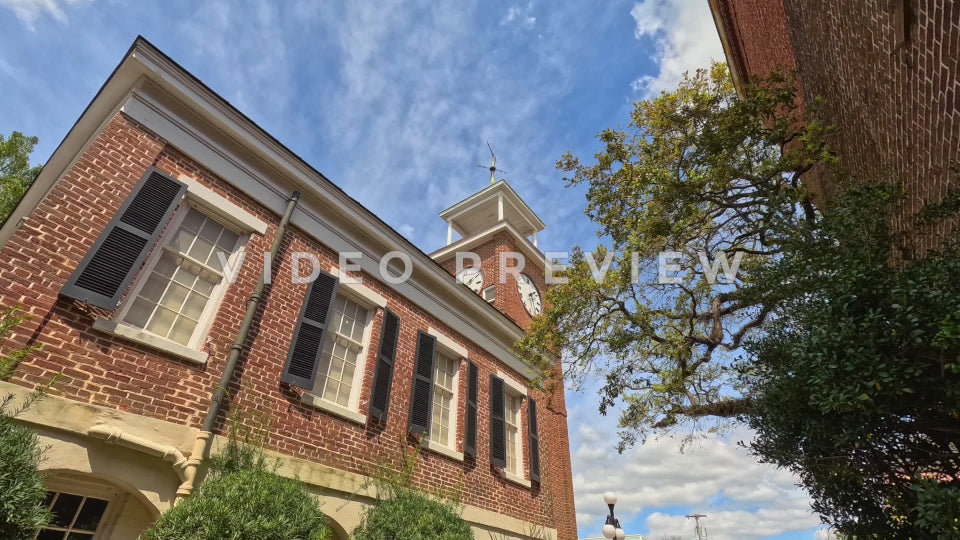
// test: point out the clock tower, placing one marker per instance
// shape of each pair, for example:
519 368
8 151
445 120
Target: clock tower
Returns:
495 234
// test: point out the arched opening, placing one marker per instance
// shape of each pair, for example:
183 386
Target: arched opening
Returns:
87 507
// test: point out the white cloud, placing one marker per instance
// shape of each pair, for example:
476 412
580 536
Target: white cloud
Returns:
520 16
743 499
733 525
685 38
28 11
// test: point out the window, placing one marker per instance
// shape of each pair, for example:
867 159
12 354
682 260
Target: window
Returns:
181 285
444 428
75 517
514 441
344 353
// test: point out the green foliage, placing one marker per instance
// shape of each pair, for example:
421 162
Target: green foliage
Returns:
836 341
16 174
412 516
855 385
11 318
698 169
22 491
243 500
938 509
404 513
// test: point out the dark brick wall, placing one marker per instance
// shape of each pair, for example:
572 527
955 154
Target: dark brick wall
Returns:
883 72
895 102
109 371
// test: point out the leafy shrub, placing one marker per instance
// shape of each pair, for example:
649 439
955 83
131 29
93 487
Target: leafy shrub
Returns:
22 491
243 500
404 513
413 516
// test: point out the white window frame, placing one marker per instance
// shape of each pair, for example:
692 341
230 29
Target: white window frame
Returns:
85 487
512 388
220 210
212 307
373 303
453 431
458 353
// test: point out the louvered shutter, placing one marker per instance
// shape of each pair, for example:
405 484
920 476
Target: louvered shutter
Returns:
534 441
421 400
114 260
308 340
383 377
498 424
473 390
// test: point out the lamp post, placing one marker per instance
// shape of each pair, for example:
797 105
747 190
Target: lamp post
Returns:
612 528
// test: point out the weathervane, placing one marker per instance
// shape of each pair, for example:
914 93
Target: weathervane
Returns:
493 165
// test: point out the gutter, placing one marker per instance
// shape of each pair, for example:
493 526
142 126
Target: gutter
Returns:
203 442
115 435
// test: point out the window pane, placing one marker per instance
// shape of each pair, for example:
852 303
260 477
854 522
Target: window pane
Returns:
187 273
140 312
80 536
211 231
154 287
228 240
201 249
183 240
162 320
89 517
194 305
205 285
174 296
47 534
65 508
194 220
183 330
167 265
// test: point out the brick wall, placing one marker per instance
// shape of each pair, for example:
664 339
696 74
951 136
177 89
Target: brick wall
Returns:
555 456
758 30
887 71
105 370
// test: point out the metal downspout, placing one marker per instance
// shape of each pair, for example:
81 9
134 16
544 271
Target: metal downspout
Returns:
202 444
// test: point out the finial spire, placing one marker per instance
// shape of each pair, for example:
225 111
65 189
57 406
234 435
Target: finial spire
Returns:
493 165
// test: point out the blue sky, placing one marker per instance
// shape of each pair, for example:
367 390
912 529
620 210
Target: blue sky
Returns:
394 102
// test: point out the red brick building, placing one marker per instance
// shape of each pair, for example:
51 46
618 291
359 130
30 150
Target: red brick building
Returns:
887 72
139 253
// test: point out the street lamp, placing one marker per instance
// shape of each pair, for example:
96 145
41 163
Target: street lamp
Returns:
612 528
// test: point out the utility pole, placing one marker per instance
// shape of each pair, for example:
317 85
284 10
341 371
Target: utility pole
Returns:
701 532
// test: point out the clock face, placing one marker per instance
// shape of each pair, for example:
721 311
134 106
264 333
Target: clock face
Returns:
529 295
471 277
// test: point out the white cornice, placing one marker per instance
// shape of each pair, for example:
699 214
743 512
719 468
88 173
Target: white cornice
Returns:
466 244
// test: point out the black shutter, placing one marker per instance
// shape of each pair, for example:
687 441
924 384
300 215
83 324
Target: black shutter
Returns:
308 340
115 258
534 441
498 424
473 391
383 377
421 400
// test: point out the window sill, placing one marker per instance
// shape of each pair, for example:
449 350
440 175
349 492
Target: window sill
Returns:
520 481
333 408
438 448
131 333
